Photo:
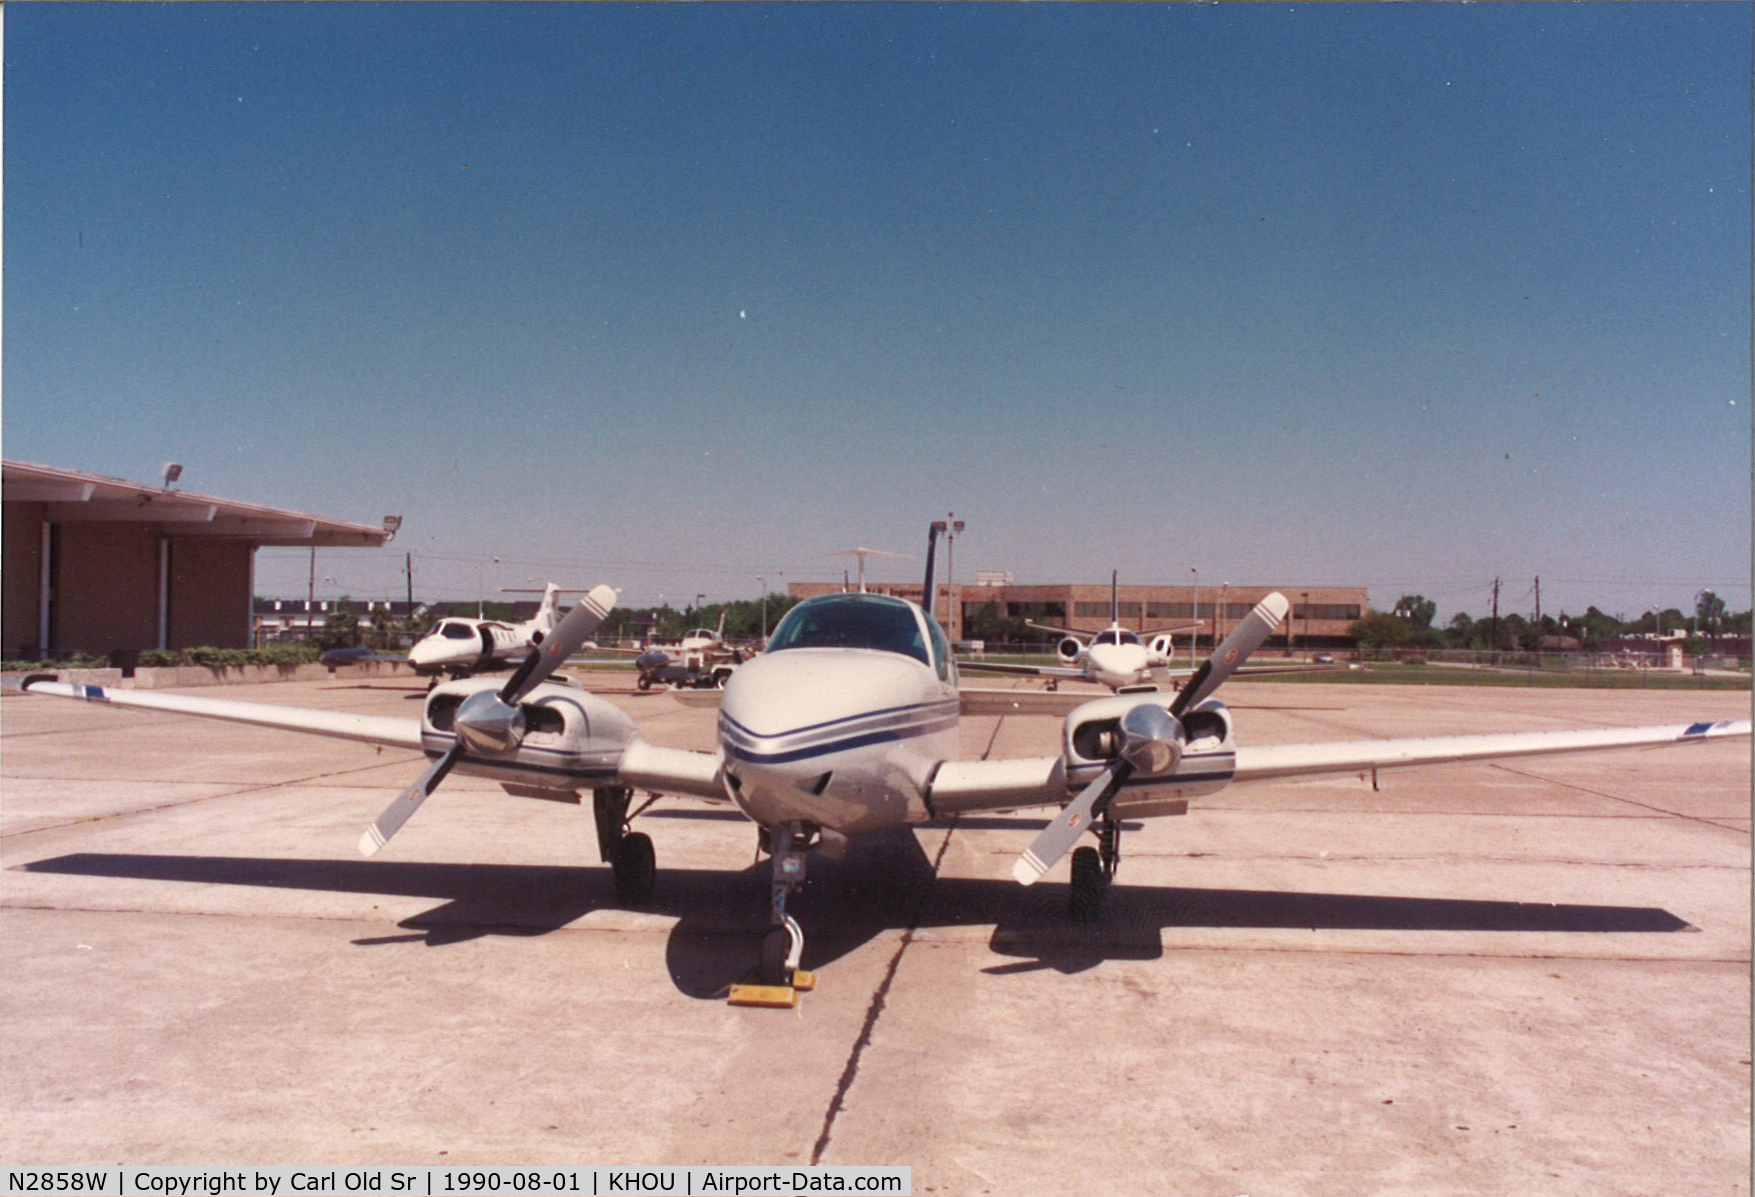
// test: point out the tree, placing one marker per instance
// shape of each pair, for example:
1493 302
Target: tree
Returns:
1460 631
1709 612
987 623
1594 627
340 630
1380 629
1417 609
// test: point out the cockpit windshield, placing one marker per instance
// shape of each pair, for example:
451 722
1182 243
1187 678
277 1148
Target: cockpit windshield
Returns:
456 631
1111 636
873 621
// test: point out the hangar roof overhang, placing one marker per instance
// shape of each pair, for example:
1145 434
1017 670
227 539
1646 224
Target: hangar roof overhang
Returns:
73 497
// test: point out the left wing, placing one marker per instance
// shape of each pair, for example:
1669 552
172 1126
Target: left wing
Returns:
961 787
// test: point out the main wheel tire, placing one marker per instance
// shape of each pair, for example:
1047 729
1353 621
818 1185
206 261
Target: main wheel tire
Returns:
635 867
644 682
776 945
1084 902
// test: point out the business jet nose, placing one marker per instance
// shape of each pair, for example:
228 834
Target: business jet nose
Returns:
429 652
1117 660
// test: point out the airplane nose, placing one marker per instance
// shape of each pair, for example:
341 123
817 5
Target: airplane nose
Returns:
425 652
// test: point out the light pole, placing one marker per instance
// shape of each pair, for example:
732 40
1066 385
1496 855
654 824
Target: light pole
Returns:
953 525
1194 638
763 583
1219 615
1305 595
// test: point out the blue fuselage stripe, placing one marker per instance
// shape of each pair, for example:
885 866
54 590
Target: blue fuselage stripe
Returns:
846 744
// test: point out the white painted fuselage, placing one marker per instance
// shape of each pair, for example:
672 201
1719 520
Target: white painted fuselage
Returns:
841 728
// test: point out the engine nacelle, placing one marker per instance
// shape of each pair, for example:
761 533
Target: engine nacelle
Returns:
1162 646
1198 750
562 739
1069 650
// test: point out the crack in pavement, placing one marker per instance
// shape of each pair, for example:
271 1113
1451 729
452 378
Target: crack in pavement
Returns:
876 1008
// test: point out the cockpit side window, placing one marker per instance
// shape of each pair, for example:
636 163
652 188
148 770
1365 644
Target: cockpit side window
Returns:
852 621
941 650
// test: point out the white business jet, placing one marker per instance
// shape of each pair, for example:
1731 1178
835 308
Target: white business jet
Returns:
1123 660
460 646
848 724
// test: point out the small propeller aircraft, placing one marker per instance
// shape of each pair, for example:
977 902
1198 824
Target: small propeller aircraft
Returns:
460 646
848 724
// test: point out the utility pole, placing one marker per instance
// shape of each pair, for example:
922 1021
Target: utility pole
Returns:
1495 645
1538 600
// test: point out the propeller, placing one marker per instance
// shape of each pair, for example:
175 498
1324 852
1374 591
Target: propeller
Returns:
1151 739
491 723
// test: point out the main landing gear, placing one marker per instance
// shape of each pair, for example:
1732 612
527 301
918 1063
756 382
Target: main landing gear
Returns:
1093 869
629 854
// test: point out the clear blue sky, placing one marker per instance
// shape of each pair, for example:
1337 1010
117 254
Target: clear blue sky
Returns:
1406 295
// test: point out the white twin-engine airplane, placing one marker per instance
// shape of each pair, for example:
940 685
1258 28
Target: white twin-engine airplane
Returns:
460 646
848 724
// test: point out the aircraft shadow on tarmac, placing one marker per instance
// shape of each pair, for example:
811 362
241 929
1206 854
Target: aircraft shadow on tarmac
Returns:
884 882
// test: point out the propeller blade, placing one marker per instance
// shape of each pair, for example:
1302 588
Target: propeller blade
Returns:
1054 840
561 642
1244 639
396 814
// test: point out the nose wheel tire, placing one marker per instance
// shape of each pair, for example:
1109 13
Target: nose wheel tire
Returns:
635 867
776 945
782 947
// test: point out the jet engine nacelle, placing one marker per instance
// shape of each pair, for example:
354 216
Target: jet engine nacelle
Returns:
1069 650
1162 646
1174 760
550 746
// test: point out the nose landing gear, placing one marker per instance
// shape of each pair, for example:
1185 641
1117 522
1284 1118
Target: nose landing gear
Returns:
779 979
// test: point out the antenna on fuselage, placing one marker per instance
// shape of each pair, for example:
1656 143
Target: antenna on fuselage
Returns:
862 554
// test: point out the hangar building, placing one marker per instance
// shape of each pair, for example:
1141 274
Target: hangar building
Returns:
1320 614
99 564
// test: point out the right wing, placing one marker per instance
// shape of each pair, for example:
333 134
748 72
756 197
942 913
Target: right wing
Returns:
642 765
1057 671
